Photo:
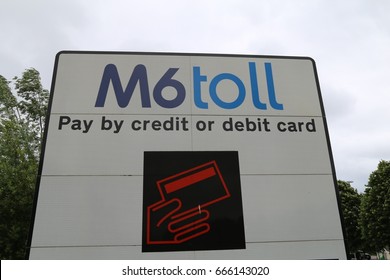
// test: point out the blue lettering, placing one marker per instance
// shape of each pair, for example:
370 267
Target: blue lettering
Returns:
255 87
270 87
110 74
167 81
198 78
139 77
213 91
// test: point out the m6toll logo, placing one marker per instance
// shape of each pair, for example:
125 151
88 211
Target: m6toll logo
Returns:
140 76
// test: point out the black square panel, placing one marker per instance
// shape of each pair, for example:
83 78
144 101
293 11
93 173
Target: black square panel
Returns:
192 201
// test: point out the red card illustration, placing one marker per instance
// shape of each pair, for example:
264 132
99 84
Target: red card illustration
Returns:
186 206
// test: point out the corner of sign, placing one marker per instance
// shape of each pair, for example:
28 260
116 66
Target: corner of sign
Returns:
63 52
311 59
57 58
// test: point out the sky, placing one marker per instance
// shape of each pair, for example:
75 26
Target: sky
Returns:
348 39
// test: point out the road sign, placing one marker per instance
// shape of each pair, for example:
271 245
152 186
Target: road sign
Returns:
166 155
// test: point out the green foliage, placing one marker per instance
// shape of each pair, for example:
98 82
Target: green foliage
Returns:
33 100
21 130
375 217
350 207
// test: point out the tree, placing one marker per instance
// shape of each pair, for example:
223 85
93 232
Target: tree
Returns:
375 209
21 130
350 207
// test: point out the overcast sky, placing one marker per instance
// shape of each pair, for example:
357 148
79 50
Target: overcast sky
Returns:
348 39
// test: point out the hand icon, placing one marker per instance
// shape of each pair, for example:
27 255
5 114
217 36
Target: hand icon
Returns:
167 225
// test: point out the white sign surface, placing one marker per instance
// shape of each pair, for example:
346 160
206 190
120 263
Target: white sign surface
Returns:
108 109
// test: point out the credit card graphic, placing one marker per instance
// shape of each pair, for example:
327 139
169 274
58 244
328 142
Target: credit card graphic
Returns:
192 201
196 188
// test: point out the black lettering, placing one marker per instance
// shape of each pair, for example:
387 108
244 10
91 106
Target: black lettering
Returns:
228 125
201 125
64 120
156 125
311 126
281 126
136 125
239 126
106 124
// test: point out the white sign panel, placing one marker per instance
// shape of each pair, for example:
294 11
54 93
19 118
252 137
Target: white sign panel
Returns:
190 156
